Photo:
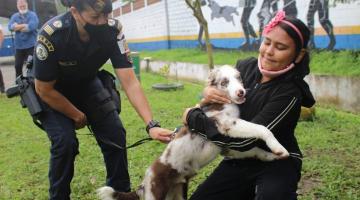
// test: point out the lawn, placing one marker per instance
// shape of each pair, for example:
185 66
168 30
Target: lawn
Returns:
331 145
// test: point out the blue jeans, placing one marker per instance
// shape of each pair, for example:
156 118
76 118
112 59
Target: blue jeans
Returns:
65 146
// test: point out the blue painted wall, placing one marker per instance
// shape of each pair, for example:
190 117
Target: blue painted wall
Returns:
350 42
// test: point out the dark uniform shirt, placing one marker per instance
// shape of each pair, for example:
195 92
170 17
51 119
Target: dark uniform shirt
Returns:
60 54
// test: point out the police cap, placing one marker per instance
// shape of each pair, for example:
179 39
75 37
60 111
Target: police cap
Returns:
101 6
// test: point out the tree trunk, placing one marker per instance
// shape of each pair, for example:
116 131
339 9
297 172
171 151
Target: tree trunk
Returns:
209 49
195 6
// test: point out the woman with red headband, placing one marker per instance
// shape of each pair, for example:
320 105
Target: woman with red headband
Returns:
276 92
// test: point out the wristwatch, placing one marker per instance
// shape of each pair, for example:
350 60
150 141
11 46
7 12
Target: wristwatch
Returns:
151 125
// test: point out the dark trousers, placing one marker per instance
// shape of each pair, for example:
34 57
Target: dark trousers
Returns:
109 133
251 180
20 57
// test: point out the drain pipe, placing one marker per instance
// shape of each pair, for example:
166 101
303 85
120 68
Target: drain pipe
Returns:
167 24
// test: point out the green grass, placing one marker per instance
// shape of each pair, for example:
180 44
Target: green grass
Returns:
339 63
331 146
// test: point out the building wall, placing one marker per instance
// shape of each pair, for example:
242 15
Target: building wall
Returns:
163 24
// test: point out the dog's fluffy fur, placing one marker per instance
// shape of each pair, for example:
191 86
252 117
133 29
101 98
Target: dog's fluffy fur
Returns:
189 152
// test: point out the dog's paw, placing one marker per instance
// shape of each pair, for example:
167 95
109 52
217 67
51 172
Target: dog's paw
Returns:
281 152
105 193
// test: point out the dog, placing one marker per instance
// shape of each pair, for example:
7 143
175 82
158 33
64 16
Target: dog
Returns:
168 176
226 12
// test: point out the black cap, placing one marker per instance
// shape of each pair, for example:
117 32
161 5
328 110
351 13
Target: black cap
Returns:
102 6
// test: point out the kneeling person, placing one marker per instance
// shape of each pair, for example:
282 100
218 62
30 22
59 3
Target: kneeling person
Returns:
70 50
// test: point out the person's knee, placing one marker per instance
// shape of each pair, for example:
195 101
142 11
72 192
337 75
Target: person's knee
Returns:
63 144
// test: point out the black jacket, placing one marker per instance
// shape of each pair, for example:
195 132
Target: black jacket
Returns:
275 104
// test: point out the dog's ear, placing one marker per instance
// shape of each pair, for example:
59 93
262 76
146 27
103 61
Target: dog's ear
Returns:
212 77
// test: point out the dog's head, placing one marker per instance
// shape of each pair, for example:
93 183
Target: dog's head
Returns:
228 79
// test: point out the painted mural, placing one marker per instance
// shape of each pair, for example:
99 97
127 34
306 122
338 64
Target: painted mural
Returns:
267 10
238 24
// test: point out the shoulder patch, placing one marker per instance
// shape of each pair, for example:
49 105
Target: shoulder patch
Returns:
41 52
115 23
47 28
46 42
111 22
57 24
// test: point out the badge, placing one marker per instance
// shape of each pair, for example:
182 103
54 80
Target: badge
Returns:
41 52
46 42
122 44
111 22
119 26
48 30
57 24
68 63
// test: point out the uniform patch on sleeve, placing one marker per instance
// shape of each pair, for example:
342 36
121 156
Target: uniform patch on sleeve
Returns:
111 22
48 29
41 52
46 42
57 24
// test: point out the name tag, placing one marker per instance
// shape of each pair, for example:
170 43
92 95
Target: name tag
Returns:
68 63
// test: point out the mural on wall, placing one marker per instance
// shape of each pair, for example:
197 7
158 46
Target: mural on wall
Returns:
217 11
225 12
266 11
248 29
322 8
268 7
237 24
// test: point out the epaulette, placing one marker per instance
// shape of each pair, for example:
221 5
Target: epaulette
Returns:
115 23
57 23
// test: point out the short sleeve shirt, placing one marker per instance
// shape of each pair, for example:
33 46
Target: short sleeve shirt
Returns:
60 55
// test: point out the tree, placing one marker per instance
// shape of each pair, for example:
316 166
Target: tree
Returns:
195 6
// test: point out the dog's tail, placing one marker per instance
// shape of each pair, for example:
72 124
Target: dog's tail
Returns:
108 193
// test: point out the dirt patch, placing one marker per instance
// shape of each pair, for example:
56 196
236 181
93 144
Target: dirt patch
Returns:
308 182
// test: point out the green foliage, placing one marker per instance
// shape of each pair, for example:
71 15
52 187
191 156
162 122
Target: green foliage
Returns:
331 145
339 63
165 70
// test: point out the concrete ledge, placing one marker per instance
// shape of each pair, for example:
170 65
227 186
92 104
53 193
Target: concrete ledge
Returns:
7 60
342 92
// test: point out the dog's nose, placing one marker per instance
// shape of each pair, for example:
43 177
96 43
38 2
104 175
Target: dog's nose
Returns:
240 93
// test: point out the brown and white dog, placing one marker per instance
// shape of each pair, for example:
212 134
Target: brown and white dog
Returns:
189 152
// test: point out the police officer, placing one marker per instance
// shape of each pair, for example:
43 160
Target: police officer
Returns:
70 50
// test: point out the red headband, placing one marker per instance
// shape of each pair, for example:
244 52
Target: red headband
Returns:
280 17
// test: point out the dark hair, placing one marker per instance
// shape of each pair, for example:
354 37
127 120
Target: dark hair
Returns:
103 6
303 66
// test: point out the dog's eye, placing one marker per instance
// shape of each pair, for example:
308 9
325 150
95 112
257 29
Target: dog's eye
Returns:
224 82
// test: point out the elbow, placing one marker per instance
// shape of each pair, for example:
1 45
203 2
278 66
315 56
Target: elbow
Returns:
42 92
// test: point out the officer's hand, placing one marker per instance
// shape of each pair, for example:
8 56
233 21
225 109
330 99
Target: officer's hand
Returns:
213 95
161 134
80 121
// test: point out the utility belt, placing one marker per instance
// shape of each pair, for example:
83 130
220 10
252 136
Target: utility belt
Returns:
104 101
98 105
25 87
29 99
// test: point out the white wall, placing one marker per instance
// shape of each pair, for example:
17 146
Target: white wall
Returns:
150 22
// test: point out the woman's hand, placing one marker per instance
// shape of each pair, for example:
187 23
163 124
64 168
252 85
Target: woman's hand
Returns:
161 134
213 95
